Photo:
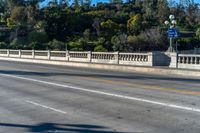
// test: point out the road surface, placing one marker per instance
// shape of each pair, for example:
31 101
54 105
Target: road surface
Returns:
57 99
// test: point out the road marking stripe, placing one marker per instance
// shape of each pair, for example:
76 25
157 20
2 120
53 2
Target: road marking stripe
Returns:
108 94
44 106
142 86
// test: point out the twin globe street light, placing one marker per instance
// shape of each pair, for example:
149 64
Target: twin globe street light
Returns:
172 31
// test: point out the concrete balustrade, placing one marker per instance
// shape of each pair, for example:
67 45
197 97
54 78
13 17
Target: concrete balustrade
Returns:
58 55
104 57
172 60
136 59
3 52
139 59
13 53
27 54
188 61
78 56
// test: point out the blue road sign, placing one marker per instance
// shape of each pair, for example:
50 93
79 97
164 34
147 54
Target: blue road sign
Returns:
172 33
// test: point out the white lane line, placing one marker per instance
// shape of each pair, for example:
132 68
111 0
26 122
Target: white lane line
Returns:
44 106
186 108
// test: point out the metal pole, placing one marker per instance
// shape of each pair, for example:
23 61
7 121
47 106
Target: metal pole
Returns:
171 43
170 49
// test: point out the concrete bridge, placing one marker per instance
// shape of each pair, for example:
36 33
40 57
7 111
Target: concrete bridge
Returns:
86 92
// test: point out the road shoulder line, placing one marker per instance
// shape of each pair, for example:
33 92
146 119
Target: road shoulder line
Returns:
169 105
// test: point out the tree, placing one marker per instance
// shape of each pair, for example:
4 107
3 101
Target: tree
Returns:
154 39
119 42
150 8
163 10
100 48
109 27
82 25
134 24
193 14
87 2
96 25
40 37
87 34
135 43
19 15
56 23
198 33
116 1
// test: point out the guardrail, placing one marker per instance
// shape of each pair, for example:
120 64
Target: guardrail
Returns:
140 59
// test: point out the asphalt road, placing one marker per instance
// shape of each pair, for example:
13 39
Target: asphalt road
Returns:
56 99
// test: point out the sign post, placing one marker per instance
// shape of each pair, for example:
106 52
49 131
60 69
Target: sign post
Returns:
172 33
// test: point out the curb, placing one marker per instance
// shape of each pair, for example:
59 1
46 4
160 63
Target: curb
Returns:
122 68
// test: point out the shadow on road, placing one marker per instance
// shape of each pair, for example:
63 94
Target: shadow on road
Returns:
103 75
60 128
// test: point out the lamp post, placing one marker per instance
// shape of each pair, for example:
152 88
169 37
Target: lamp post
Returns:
172 32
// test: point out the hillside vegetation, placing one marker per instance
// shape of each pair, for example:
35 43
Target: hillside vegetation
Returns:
136 25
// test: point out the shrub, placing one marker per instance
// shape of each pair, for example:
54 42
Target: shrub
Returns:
36 46
3 45
100 48
56 45
135 43
19 43
35 36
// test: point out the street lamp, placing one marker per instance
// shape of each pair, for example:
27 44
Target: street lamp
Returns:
172 32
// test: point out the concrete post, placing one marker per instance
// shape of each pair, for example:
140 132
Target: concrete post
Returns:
48 54
33 54
89 56
67 55
20 53
174 60
151 58
116 54
8 52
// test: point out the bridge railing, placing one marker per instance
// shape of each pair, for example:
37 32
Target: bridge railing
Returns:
188 61
141 59
185 61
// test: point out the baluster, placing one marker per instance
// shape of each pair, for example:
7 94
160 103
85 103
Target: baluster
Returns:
179 59
188 60
131 57
182 60
198 58
193 59
134 57
185 60
142 58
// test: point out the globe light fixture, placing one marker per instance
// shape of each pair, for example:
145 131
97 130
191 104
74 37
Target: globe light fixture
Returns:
171 17
166 22
172 24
